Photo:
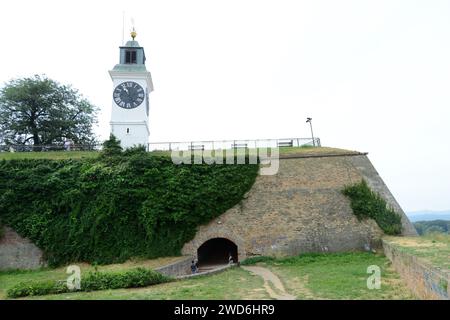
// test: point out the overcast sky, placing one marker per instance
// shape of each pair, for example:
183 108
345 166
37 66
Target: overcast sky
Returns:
373 75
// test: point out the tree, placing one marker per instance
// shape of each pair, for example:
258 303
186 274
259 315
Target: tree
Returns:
111 147
41 111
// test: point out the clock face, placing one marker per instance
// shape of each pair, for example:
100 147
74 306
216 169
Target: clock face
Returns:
128 95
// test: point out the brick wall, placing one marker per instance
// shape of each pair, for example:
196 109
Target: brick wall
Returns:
301 209
18 253
425 280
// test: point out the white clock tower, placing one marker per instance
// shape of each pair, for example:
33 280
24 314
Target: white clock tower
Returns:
132 84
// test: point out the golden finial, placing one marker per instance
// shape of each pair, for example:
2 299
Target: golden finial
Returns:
133 34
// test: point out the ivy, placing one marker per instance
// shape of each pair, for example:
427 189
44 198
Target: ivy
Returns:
367 204
118 206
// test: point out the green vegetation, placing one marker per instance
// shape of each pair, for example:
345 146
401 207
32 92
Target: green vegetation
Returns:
51 155
232 284
367 204
43 111
435 226
110 208
338 276
9 279
309 276
133 278
60 155
433 248
257 259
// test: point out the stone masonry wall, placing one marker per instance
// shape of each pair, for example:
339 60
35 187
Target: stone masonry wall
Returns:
300 209
425 281
18 253
177 269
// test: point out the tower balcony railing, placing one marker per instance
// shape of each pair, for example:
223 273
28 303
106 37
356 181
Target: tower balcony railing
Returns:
233 144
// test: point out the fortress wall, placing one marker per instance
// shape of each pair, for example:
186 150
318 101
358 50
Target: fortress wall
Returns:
300 209
19 253
377 184
424 280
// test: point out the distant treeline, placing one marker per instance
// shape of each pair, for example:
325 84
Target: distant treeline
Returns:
426 227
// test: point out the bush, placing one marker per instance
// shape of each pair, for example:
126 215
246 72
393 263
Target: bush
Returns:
367 204
133 278
118 206
36 288
256 259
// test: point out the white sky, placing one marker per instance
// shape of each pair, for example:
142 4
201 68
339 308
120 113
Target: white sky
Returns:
374 75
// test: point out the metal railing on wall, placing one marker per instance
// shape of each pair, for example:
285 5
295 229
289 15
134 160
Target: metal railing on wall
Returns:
52 147
232 144
169 146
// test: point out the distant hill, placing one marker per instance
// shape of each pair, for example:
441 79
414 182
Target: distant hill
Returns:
435 226
428 215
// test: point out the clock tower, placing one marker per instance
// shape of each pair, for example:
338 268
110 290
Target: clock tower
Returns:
132 84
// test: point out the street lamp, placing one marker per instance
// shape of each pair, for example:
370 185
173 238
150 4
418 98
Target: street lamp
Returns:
309 120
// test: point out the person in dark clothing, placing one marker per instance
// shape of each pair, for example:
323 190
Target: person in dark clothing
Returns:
194 267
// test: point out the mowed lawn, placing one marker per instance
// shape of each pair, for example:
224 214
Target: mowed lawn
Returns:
327 276
54 155
60 155
433 248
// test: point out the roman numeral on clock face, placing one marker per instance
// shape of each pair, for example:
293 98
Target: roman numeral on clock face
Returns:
128 95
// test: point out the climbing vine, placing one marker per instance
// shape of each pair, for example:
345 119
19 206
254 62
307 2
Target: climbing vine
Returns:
367 204
116 206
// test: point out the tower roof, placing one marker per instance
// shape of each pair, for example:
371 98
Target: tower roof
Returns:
132 44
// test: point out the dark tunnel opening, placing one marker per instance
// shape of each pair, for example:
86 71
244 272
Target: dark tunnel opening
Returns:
217 251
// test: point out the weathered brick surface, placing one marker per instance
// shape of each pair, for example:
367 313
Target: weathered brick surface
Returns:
424 280
18 253
300 209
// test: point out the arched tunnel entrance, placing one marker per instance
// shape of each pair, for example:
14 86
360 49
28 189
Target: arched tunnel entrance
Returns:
216 251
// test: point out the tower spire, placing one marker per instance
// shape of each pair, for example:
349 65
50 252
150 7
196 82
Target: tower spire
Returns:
133 34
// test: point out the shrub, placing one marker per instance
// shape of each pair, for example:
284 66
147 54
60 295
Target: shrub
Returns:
117 206
256 259
367 204
133 278
36 288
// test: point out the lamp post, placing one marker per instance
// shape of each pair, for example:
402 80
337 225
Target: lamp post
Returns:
309 120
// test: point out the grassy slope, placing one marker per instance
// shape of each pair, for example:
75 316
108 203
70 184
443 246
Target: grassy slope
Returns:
331 276
434 249
56 155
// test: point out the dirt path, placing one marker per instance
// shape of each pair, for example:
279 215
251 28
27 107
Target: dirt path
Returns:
279 293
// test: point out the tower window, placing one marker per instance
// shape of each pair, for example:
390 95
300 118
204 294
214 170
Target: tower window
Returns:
128 130
130 56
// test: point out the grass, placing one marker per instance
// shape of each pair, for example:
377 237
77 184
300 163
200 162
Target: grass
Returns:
55 155
310 276
59 155
432 248
231 284
9 278
338 276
